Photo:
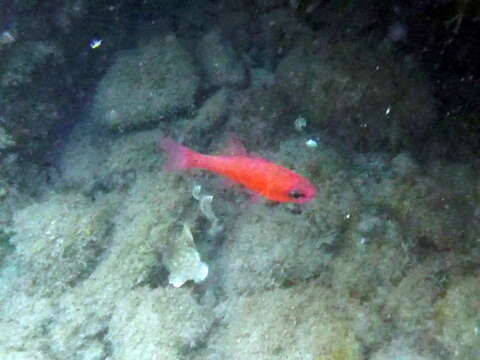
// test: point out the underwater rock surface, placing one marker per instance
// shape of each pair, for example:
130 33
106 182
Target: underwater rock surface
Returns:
106 256
146 85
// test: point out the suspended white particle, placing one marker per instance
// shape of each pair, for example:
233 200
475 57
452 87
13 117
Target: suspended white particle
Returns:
311 143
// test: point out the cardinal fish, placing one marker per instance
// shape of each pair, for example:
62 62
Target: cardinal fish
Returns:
262 177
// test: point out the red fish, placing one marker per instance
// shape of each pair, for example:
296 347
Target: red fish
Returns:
259 175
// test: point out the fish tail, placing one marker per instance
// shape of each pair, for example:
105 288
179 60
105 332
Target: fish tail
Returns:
179 157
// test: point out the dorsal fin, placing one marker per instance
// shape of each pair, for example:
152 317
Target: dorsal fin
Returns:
234 147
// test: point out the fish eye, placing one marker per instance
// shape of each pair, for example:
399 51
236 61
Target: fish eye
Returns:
297 194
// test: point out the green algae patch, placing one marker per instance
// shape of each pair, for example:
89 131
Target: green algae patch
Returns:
302 322
158 323
59 242
343 345
458 317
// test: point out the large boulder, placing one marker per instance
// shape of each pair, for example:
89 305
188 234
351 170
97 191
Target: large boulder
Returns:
147 84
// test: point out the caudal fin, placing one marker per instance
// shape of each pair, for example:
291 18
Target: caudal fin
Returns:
179 157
